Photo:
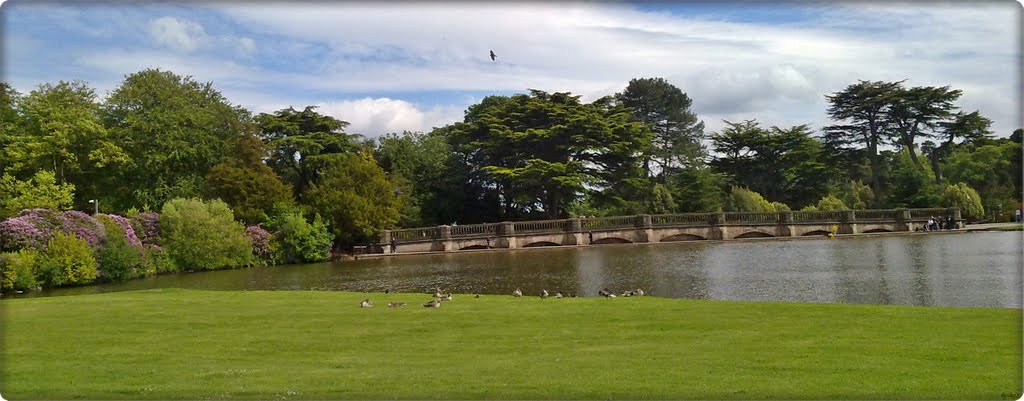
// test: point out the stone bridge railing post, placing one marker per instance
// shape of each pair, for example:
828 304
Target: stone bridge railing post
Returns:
573 231
848 222
644 228
955 211
718 230
506 235
903 222
442 239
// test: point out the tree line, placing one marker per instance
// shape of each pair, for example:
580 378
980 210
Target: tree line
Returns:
159 136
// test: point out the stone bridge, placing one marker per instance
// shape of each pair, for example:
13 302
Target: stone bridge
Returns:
657 228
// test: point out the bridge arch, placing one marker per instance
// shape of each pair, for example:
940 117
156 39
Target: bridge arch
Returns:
816 233
611 240
878 230
753 234
539 244
682 237
474 246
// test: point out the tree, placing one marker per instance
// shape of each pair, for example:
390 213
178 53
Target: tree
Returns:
856 195
786 165
993 170
251 188
41 191
202 235
697 189
298 241
304 143
356 198
174 129
10 119
830 203
910 184
61 131
966 198
666 111
863 110
419 165
745 200
916 112
536 154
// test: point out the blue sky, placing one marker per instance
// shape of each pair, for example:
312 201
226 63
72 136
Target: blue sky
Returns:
413 66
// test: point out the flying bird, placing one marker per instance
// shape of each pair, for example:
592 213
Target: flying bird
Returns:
492 55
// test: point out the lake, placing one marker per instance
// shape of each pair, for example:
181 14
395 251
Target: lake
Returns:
974 269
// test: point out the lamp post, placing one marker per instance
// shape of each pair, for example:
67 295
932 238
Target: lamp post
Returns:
97 203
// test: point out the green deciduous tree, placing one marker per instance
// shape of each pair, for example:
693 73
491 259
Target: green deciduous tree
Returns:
251 188
356 198
299 241
830 203
856 195
966 198
420 166
40 191
203 235
18 270
745 200
174 129
910 184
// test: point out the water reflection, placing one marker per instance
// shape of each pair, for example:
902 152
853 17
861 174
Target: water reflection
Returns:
961 269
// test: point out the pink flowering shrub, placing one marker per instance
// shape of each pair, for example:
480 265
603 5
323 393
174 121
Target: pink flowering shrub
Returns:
31 228
129 231
146 227
84 226
260 239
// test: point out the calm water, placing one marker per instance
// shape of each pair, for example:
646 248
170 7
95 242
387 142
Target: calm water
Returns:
960 269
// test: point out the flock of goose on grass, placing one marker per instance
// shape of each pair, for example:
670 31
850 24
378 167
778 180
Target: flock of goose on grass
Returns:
441 296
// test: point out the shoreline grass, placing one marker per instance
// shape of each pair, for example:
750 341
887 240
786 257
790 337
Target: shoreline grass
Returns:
192 344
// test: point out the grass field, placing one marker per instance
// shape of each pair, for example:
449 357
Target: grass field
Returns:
186 344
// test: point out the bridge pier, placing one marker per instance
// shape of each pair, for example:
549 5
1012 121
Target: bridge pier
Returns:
644 229
506 236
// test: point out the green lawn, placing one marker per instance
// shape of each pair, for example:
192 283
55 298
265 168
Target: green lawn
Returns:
185 344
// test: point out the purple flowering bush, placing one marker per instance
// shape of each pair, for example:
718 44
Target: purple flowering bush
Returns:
84 226
31 228
126 225
260 239
146 227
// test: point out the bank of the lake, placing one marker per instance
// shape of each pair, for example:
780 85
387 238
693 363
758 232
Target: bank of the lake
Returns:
187 344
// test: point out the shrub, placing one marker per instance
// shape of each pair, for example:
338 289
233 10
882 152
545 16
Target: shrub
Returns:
67 260
260 240
155 260
146 226
830 203
30 229
300 241
118 259
779 207
966 198
18 270
123 225
203 235
40 191
84 226
745 200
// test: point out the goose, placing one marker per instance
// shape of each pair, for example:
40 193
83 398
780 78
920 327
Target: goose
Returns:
558 294
432 304
437 293
639 292
445 297
476 296
627 293
366 303
395 304
517 293
543 294
606 293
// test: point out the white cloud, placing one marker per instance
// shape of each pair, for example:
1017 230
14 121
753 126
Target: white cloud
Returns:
373 117
179 35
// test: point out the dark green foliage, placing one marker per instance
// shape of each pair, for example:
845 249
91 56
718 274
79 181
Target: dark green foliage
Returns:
786 165
18 270
745 200
678 133
420 166
245 183
67 260
910 185
118 259
354 194
536 154
304 143
156 260
201 235
966 198
698 190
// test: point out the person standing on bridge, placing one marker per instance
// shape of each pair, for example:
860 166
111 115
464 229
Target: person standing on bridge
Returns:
394 245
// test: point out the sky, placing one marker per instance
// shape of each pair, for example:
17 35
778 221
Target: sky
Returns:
414 66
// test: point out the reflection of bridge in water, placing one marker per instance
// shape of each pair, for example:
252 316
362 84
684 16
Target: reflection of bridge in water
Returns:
657 228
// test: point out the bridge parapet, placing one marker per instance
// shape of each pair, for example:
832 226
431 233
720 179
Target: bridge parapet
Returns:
597 223
689 219
475 230
753 217
818 216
